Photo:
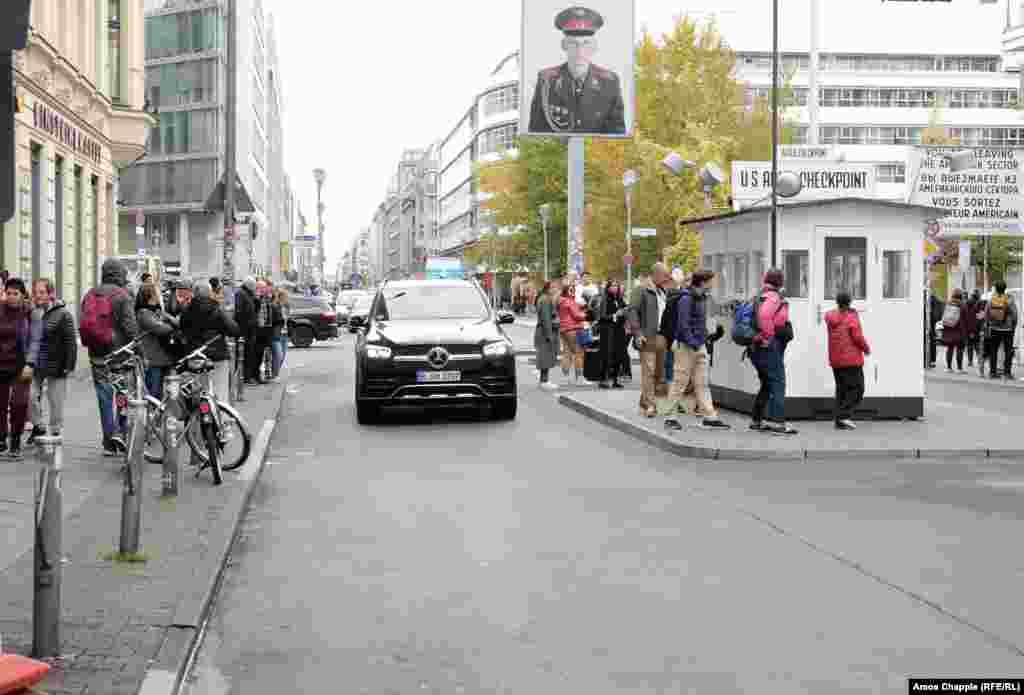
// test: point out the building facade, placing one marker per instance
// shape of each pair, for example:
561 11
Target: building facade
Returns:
81 120
185 79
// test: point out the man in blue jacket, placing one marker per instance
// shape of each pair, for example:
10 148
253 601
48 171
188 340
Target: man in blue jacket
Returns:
690 354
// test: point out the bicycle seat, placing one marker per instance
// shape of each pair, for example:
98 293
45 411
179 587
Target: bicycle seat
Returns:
198 365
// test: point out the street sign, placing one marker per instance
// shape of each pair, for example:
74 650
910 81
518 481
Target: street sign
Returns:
644 232
627 259
983 200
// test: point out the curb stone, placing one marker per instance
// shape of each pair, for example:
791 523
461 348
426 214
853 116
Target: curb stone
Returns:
675 446
183 636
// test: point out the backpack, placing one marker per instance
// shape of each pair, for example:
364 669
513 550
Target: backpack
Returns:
998 308
667 327
745 326
96 321
951 316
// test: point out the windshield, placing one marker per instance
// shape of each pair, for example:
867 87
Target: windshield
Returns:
362 303
349 298
432 302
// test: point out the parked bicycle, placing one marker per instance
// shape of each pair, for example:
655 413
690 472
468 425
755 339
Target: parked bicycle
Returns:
125 372
216 433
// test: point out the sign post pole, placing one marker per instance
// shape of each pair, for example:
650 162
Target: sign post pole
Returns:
574 259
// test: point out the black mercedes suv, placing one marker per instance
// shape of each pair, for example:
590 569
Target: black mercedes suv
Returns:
434 343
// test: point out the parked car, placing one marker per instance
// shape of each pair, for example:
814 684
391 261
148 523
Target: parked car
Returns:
434 343
360 310
311 319
345 302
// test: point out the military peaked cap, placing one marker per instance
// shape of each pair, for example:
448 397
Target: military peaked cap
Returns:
578 21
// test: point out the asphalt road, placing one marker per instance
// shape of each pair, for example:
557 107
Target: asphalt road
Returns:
442 554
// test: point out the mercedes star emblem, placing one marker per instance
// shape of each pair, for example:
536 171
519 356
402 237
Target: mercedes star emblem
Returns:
438 358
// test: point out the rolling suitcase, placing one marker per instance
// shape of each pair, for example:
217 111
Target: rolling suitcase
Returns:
592 365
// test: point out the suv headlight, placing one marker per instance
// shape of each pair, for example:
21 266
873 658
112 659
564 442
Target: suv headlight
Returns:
378 352
499 349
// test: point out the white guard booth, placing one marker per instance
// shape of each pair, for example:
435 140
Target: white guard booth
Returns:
871 247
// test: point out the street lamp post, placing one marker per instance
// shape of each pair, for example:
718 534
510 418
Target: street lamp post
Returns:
629 180
775 131
545 217
320 175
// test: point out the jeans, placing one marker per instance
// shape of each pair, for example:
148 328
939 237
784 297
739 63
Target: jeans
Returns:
279 347
56 394
770 403
105 398
155 382
13 404
849 390
669 362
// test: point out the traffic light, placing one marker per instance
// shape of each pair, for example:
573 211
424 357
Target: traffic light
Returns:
13 37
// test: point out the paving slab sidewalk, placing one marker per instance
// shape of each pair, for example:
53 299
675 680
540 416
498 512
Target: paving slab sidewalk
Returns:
946 430
120 620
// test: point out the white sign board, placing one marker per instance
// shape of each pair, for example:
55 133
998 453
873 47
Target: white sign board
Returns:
984 201
821 180
644 231
813 152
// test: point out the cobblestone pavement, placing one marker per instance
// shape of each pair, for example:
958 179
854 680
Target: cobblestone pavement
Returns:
114 616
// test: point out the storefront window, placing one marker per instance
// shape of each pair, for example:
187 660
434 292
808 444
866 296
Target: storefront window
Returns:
895 274
846 266
796 266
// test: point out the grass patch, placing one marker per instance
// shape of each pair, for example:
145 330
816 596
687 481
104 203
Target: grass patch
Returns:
126 558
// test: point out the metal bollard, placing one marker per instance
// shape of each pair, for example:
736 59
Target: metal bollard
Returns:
173 430
131 497
48 565
239 370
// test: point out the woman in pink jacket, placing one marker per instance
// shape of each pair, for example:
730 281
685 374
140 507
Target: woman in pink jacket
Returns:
767 356
571 317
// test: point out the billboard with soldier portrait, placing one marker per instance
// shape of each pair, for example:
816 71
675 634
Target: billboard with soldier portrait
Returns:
577 68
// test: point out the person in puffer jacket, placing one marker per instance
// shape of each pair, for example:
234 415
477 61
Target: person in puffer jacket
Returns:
56 359
846 350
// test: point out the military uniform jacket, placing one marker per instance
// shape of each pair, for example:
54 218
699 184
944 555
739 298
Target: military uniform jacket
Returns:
561 105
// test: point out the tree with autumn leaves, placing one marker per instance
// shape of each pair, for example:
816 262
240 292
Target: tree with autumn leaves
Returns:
687 100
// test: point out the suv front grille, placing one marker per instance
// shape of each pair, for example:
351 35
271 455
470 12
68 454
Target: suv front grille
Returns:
420 350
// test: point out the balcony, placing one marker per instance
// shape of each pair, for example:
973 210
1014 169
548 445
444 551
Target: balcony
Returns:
129 130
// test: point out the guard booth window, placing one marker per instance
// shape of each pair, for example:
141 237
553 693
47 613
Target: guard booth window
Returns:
796 265
895 274
846 266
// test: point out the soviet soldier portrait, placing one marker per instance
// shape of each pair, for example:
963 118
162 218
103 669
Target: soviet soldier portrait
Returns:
578 96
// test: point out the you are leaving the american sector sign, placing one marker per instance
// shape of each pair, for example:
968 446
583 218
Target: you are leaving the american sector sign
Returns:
981 201
753 180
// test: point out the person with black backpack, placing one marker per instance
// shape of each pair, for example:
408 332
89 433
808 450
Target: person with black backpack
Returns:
107 323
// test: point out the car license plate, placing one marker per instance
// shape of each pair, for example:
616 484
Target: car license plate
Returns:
437 377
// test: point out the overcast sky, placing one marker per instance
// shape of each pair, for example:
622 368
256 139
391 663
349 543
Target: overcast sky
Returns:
364 80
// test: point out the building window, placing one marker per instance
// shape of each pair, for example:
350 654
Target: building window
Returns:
796 267
891 173
37 210
739 275
496 140
895 274
846 266
183 33
501 100
114 48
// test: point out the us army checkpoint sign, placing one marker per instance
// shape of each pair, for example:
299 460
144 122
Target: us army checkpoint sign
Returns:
576 68
985 200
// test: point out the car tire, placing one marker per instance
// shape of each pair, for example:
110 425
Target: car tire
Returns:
302 336
367 413
505 409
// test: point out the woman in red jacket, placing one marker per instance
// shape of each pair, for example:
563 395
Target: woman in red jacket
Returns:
846 350
571 317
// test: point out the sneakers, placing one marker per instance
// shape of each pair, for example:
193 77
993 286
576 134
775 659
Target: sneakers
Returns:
14 453
3 442
781 428
845 424
113 445
603 385
549 386
757 426
617 385
673 424
36 432
715 424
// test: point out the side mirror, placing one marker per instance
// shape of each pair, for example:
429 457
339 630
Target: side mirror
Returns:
506 317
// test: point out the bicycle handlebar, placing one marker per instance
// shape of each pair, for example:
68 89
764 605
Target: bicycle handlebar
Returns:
124 348
199 351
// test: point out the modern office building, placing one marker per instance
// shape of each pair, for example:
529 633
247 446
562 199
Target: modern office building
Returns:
80 121
879 91
405 223
185 82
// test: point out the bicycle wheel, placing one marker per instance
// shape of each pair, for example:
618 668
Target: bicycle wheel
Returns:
235 438
154 445
213 448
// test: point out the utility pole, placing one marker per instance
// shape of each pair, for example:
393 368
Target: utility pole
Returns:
775 132
230 143
812 77
320 176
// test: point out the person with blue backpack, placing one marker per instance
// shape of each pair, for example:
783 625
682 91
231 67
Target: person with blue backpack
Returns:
762 326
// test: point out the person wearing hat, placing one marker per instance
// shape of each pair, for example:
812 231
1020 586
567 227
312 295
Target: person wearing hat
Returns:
578 96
